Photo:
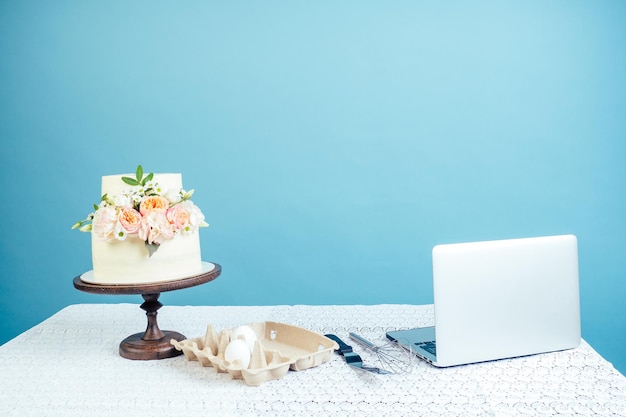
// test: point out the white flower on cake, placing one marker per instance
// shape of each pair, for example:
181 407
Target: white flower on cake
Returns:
144 209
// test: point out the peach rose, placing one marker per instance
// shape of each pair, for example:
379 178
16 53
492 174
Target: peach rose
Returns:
178 217
153 203
130 219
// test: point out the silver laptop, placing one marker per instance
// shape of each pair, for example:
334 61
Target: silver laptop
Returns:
500 299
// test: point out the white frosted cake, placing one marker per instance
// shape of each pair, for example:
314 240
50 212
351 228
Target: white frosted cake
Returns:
145 232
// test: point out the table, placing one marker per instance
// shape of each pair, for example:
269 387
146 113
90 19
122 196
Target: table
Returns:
68 365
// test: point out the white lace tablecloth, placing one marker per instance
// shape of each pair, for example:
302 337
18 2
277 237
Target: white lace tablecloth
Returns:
69 366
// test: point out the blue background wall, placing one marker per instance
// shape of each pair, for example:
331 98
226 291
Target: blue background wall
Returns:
331 143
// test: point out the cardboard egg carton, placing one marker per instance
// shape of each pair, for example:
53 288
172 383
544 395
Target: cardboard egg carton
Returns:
278 348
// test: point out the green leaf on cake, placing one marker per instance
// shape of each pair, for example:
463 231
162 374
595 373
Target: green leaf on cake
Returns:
139 173
130 181
151 247
147 179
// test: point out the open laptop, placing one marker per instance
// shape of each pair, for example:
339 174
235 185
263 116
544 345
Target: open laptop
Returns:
500 299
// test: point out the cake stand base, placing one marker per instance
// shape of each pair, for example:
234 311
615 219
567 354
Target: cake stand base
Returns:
153 343
135 347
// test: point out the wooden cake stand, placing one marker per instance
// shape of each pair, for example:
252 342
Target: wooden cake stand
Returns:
153 343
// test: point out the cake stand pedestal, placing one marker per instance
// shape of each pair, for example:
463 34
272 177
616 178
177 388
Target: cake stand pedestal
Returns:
154 343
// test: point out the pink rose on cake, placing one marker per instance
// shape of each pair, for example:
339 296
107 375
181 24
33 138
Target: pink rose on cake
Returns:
156 228
178 216
103 223
145 210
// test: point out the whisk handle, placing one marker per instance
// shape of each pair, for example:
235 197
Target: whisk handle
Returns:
362 340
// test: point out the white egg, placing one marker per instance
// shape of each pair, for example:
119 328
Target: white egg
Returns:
247 333
237 350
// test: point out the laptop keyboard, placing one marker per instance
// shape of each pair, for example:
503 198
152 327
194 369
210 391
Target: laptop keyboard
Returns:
428 347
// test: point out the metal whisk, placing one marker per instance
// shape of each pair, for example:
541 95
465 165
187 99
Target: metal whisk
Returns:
392 357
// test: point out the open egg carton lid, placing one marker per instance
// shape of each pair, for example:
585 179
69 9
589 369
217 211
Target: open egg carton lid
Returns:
273 349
